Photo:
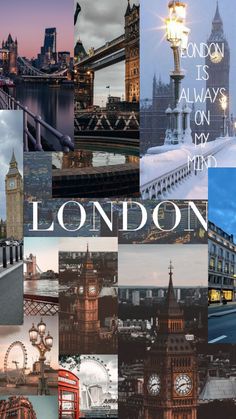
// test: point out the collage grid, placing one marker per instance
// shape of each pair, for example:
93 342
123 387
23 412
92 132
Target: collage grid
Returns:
117 214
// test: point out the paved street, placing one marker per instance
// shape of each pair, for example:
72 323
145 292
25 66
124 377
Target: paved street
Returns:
222 324
11 295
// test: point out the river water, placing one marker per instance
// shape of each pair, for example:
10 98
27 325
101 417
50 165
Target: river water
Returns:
54 104
44 287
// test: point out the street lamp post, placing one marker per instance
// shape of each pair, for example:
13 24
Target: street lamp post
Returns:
177 34
224 105
43 344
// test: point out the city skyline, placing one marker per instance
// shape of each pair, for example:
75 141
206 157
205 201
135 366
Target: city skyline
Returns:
59 14
11 127
145 265
46 251
97 25
153 35
222 205
95 244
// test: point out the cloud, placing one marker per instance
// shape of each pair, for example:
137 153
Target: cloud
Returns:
99 22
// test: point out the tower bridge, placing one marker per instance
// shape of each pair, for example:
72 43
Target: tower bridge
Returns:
114 48
37 304
122 48
28 71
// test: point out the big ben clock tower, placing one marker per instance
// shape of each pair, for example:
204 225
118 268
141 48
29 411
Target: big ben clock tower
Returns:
170 375
14 200
218 62
87 307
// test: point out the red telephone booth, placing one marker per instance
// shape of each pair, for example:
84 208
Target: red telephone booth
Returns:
68 389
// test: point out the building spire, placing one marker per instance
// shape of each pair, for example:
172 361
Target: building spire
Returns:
217 32
88 263
217 17
128 10
170 293
171 315
171 305
13 161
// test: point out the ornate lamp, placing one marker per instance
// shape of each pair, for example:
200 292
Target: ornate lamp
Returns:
43 344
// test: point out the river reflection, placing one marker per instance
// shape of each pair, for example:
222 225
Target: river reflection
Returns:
86 158
54 104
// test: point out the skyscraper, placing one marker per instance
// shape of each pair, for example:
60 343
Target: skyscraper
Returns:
48 53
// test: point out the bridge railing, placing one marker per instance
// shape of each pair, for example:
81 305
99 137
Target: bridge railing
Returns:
34 137
40 305
100 120
11 254
164 183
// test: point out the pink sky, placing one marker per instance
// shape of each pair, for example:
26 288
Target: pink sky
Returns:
27 20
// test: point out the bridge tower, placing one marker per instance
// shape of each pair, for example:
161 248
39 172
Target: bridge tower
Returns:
10 55
132 86
84 77
31 268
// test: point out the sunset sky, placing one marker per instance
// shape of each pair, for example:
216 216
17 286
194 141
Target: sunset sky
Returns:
144 265
27 20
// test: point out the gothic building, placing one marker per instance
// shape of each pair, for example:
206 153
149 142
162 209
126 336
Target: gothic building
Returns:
84 80
153 117
218 70
87 307
170 375
3 231
132 86
14 200
17 407
9 56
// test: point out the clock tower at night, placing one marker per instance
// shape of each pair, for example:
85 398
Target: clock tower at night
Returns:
170 375
14 201
87 307
218 63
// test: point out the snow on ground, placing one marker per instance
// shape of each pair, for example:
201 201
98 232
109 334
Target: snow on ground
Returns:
194 186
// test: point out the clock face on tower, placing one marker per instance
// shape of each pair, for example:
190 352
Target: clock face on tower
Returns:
92 290
12 184
154 384
183 384
216 57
